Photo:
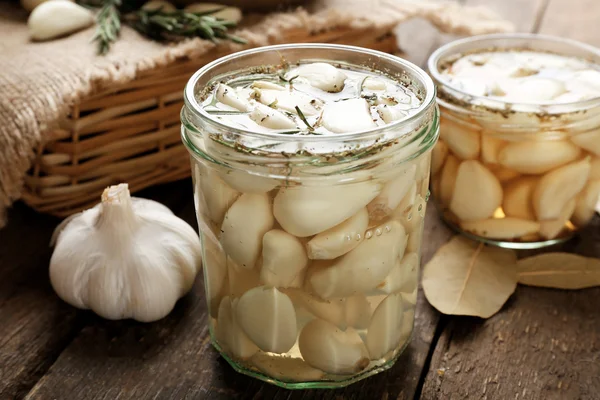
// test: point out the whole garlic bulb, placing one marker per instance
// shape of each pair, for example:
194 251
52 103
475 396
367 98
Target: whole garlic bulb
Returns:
124 258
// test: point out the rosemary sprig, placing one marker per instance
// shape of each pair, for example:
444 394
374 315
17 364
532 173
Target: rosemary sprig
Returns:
108 25
303 118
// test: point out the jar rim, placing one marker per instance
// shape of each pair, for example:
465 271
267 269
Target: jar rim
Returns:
522 40
192 104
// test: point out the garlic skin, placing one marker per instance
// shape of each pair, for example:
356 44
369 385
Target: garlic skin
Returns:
125 258
53 19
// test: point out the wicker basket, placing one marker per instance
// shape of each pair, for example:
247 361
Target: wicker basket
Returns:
131 133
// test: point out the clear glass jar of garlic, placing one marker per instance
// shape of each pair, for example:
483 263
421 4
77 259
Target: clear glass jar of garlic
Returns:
311 174
518 160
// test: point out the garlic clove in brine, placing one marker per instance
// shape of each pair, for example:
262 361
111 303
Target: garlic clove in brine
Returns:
125 258
320 75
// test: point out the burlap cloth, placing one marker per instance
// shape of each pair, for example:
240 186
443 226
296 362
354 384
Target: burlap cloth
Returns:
39 81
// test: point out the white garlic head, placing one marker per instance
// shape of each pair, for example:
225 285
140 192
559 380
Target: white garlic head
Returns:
125 258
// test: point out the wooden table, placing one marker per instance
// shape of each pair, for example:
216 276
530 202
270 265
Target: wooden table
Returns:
544 344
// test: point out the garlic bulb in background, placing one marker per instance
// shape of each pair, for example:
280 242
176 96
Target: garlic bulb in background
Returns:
125 258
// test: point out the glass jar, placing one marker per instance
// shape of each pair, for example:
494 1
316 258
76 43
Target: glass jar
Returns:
530 172
310 243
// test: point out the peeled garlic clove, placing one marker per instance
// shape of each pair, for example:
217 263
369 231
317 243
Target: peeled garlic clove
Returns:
332 310
586 203
326 347
589 141
504 174
363 268
549 229
340 239
557 187
490 148
390 113
348 116
538 157
385 330
267 85
53 19
244 226
215 272
462 140
438 156
229 334
595 169
217 194
307 210
517 198
406 206
245 182
501 228
357 311
268 317
228 96
288 101
403 277
477 192
240 280
320 75
162 5
448 180
270 118
371 83
227 13
283 258
392 193
286 368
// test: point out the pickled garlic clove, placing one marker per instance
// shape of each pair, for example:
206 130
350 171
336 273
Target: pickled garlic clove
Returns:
270 118
517 201
286 100
363 268
245 182
557 187
461 139
586 203
413 242
403 277
538 157
230 336
307 210
348 116
385 330
438 156
589 141
218 195
531 90
501 228
228 96
283 257
244 226
392 194
328 348
286 368
410 301
268 317
448 180
215 273
503 174
357 311
477 192
389 113
332 310
595 169
320 75
490 148
267 85
340 239
406 207
240 280
549 229
371 83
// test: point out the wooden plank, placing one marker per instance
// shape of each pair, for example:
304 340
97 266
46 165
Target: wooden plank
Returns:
173 358
573 19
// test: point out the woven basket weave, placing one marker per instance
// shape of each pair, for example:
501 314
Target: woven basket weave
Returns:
131 133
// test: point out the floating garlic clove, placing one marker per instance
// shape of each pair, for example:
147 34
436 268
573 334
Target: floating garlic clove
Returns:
328 348
517 198
501 228
226 13
557 187
288 101
229 334
228 96
268 317
30 5
283 257
390 113
347 116
363 268
549 229
286 368
340 239
155 5
371 83
215 273
448 180
462 140
53 19
392 193
477 192
218 195
403 277
270 118
307 210
244 226
320 75
490 148
586 203
589 141
385 330
240 280
538 157
438 156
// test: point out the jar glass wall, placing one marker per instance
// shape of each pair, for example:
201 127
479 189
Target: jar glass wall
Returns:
515 175
311 243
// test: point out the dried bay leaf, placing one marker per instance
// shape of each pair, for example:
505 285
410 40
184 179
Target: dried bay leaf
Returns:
559 271
468 278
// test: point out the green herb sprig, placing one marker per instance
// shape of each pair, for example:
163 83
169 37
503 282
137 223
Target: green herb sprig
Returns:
303 118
